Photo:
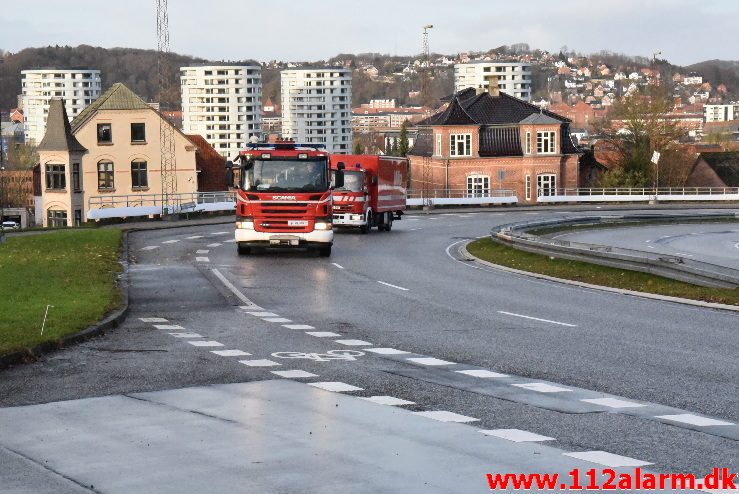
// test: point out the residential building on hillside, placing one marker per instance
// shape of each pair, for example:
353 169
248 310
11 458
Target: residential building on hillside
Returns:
316 107
379 103
78 89
720 113
514 78
222 104
488 140
111 150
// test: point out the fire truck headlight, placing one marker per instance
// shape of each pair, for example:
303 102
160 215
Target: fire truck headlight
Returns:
320 225
357 217
245 224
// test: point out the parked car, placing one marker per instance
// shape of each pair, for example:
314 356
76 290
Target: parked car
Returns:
9 225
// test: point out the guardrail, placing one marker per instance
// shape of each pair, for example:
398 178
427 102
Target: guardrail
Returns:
623 194
671 266
123 206
461 196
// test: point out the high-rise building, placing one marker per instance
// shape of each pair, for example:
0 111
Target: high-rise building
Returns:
720 113
78 88
514 78
317 107
222 104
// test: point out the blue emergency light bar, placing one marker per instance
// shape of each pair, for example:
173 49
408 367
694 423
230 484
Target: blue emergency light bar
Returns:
281 145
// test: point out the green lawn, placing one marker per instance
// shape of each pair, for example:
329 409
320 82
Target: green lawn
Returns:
75 271
504 255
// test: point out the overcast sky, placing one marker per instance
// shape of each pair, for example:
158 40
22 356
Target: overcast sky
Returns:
685 31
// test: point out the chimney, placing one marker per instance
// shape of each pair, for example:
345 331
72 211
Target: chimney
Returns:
480 89
493 85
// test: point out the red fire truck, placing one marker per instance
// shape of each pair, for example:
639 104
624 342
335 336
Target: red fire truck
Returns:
373 192
283 197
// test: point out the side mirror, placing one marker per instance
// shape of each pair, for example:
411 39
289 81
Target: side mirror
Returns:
249 164
229 174
373 179
339 177
341 166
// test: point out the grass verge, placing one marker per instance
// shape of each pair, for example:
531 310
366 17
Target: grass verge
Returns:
491 251
73 271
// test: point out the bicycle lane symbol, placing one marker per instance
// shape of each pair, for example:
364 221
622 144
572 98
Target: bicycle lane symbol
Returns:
321 357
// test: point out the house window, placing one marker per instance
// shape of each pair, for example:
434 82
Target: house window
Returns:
438 145
138 132
545 143
55 218
105 175
460 145
478 186
528 187
76 184
139 177
77 217
528 143
105 134
546 185
56 178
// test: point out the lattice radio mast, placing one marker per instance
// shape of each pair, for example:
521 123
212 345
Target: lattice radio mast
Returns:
166 130
427 177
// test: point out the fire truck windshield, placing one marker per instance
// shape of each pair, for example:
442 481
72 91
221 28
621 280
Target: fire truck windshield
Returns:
286 175
353 181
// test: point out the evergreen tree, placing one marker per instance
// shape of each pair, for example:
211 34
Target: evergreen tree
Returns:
394 150
358 148
403 144
388 148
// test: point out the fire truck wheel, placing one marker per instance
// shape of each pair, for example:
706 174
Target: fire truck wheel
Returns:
244 250
368 227
389 222
325 251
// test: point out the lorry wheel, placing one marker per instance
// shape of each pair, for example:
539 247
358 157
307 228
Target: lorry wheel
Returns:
368 227
244 250
389 222
325 251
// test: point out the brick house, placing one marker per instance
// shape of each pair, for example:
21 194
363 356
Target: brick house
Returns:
715 170
485 141
210 165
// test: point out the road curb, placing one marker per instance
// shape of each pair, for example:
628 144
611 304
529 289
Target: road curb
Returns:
112 320
621 291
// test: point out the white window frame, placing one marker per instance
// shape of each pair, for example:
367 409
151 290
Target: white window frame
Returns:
546 142
438 144
465 140
548 179
528 187
478 185
527 150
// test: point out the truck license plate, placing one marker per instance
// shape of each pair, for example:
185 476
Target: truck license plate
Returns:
297 222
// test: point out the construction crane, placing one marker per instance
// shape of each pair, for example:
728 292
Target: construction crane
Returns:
166 130
427 172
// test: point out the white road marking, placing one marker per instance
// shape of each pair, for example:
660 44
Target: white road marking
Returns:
262 314
297 326
259 363
516 435
353 342
338 265
294 374
232 241
322 334
153 319
429 361
170 241
204 343
168 326
220 233
202 259
393 286
481 373
338 387
276 319
186 335
202 251
433 218
388 400
607 459
541 387
689 418
230 353
537 319
613 403
444 416
415 229
214 245
194 237
385 351
411 219
150 247
235 290
650 246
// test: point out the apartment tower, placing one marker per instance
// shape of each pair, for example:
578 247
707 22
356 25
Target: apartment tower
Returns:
514 78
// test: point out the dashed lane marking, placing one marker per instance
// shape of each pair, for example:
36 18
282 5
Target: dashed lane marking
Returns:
429 361
259 363
444 416
297 326
232 241
516 435
541 387
294 374
322 334
204 343
393 286
220 233
153 319
194 237
537 319
607 459
481 373
170 241
262 314
230 353
168 326
216 244
338 265
150 247
613 403
386 351
353 342
389 400
689 418
186 335
202 259
202 251
276 319
235 291
335 386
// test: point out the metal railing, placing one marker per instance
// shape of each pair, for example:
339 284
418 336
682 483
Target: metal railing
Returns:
623 191
462 193
179 200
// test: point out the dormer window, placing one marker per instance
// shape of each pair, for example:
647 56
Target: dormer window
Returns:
460 145
546 142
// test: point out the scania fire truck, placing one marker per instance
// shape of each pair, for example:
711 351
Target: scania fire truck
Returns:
283 197
373 192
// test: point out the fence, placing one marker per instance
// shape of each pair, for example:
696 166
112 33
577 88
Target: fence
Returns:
641 194
151 204
461 196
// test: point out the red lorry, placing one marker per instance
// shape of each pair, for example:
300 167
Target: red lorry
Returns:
283 197
374 190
